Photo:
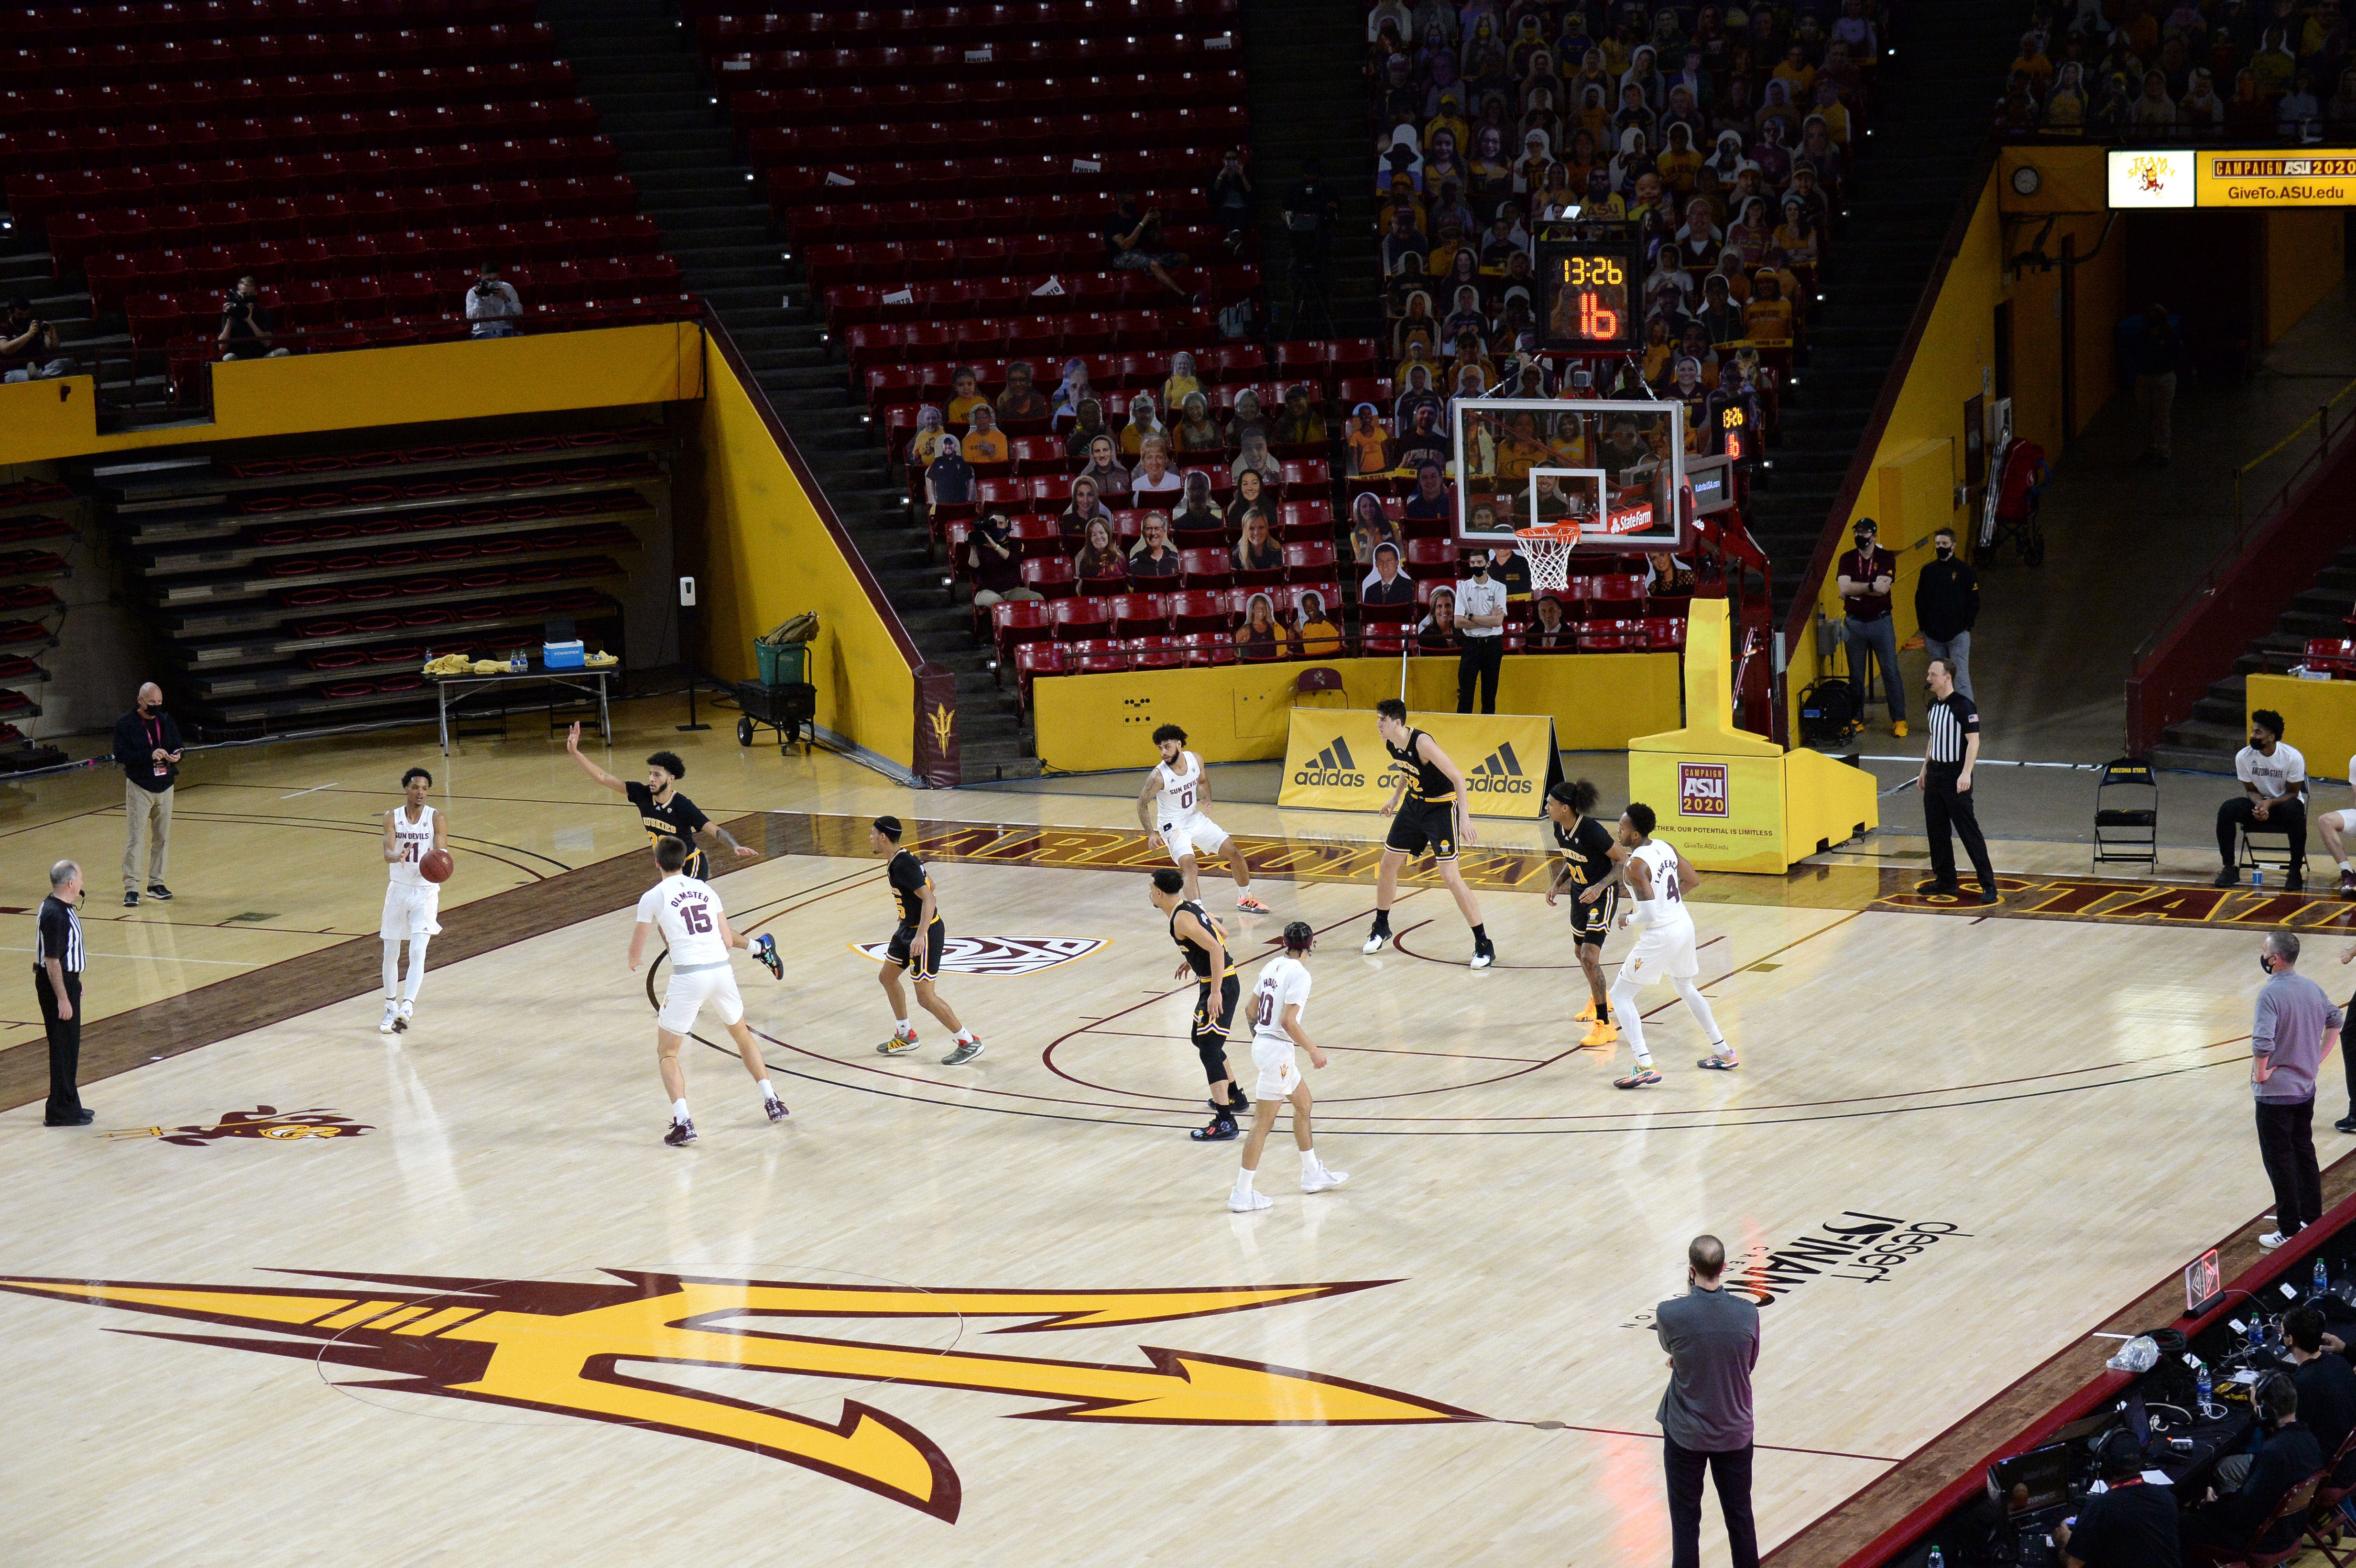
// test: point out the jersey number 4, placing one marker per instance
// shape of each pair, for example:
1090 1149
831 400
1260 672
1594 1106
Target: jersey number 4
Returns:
698 918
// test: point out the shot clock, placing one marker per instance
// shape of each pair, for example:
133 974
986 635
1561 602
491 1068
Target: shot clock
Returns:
1591 295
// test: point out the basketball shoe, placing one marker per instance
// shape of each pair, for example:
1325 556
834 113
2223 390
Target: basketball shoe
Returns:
903 1041
764 948
681 1134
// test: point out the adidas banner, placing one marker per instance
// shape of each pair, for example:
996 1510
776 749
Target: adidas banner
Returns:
1335 760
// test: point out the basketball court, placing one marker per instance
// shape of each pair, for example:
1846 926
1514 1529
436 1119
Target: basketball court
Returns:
448 1295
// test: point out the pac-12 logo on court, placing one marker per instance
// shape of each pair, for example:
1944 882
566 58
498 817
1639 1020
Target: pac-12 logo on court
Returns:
1701 789
999 955
601 1351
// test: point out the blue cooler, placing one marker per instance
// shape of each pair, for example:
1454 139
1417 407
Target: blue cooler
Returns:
563 655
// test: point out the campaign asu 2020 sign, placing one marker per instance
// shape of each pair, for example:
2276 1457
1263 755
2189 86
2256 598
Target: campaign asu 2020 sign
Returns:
2146 178
1335 760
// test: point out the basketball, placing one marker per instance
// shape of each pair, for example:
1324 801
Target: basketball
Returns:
435 865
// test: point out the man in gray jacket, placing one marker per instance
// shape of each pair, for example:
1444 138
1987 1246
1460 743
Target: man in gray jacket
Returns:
1712 1337
2295 1029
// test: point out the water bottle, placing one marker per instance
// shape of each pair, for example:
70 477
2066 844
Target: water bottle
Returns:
2323 1279
2258 1332
2201 1390
2257 876
1937 1559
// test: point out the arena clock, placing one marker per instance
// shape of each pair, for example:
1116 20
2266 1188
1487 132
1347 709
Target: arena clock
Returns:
1592 299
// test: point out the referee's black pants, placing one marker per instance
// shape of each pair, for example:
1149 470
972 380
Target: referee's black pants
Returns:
65 1045
1945 807
1482 657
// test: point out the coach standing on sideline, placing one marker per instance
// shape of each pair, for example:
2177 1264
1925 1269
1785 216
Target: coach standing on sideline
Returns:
147 744
1712 1338
2296 1028
56 982
1953 748
1481 617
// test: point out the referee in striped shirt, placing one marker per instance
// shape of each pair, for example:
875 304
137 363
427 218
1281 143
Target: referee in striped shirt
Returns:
1946 782
57 981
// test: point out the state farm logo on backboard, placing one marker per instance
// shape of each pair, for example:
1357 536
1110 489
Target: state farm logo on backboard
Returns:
1701 789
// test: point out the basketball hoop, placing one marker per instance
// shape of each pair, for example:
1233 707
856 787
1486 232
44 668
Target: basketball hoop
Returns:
1549 547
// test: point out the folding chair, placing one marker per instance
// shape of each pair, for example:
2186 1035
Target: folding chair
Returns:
2128 833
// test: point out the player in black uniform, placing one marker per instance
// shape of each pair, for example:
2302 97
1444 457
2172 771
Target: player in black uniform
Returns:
662 810
916 947
1429 798
1204 944
1585 850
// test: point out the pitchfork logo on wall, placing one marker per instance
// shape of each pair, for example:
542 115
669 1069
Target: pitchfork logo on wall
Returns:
999 955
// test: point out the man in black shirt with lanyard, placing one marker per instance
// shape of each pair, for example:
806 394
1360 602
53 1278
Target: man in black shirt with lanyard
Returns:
1945 780
1203 945
1585 850
918 943
662 810
2131 1524
1430 811
56 982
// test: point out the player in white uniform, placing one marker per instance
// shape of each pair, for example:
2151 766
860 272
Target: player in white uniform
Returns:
1276 1004
2334 825
1169 809
412 831
1657 878
696 930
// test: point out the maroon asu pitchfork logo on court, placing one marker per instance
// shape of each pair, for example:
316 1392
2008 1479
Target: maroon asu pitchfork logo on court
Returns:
261 1122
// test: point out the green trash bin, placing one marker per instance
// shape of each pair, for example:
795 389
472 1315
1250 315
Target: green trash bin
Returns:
781 664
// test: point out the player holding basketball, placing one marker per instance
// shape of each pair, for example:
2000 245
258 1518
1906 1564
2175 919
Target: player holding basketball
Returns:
697 931
1431 810
1277 1001
1169 809
412 831
662 810
1584 849
1657 878
915 947
1202 946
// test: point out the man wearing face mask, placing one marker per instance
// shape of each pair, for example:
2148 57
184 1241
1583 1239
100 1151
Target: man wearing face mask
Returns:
2296 1028
1481 617
1946 603
147 746
1945 780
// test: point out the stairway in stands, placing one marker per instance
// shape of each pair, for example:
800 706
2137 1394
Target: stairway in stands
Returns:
1932 106
641 67
1308 101
2206 741
32 274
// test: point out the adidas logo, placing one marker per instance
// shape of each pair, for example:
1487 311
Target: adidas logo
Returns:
1332 768
1500 773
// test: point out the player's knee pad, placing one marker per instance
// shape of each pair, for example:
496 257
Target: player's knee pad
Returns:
1214 1053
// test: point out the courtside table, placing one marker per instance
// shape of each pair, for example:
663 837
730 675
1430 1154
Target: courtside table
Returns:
452 691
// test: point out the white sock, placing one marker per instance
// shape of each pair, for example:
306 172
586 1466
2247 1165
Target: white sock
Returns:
767 1093
2346 866
1309 1164
392 970
1699 1003
965 1037
416 977
1631 1019
1244 1179
679 1110
905 1028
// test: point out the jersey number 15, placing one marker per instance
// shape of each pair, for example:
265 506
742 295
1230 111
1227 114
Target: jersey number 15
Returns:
698 918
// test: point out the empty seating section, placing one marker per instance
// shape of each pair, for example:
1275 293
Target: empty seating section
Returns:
298 589
33 537
359 157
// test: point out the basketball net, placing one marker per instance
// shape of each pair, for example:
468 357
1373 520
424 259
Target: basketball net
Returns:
1547 548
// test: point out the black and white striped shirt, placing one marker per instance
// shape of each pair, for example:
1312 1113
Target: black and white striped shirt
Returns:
58 935
1952 720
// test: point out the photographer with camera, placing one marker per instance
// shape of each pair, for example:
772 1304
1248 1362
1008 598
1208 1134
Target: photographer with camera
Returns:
245 328
492 304
1231 200
33 340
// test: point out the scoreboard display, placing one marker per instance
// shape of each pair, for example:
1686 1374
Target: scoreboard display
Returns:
1592 299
